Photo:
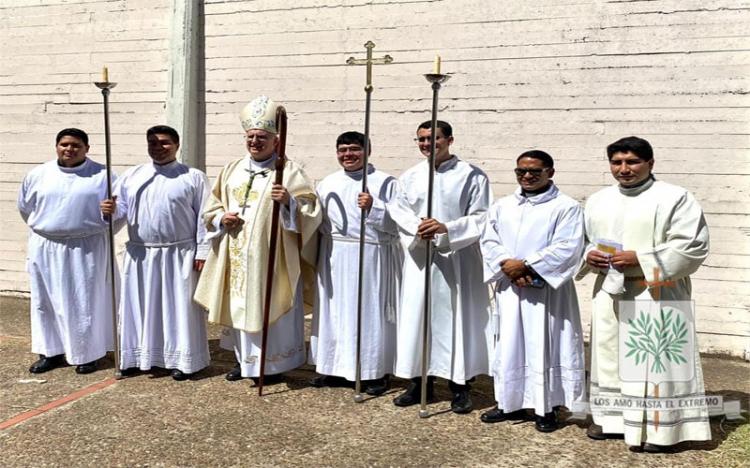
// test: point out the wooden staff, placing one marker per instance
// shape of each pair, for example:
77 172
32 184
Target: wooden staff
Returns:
280 161
105 85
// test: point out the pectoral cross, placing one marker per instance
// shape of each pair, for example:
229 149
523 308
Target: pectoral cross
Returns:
262 173
369 61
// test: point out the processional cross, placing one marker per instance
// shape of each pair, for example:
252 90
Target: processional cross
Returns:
368 62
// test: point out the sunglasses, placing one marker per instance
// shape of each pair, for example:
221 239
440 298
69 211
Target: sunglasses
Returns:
520 171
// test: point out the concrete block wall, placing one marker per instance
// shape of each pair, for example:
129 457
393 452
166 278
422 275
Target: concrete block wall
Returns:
568 77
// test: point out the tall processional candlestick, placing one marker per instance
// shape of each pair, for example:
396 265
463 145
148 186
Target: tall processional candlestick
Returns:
436 78
105 85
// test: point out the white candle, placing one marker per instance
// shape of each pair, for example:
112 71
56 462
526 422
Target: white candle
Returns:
437 65
105 75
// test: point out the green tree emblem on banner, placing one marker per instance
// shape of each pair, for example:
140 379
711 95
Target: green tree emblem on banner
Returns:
660 337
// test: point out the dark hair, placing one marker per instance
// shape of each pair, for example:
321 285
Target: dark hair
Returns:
74 132
352 138
631 144
545 158
441 124
165 130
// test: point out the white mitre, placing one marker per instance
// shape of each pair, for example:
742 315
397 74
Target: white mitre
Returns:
260 113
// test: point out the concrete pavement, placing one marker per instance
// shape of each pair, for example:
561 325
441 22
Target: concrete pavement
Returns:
152 420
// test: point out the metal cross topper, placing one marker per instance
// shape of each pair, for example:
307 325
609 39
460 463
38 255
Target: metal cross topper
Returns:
369 61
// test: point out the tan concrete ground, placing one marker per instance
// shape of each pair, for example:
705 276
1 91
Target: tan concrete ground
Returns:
151 420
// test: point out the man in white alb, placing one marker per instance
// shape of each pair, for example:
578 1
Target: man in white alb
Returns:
68 257
160 325
333 343
459 329
531 247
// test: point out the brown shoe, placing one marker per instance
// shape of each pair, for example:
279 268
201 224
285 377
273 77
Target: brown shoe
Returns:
595 432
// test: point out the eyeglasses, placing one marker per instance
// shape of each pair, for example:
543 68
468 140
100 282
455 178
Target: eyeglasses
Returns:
349 149
536 172
425 139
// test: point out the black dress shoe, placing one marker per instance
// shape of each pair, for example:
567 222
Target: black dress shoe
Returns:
178 375
234 374
495 415
129 372
87 368
461 403
413 394
648 447
328 381
45 363
546 423
377 387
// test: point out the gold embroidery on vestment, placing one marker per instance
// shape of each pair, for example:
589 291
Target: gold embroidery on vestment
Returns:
239 195
238 264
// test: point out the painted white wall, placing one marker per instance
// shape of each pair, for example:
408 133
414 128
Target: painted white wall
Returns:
561 75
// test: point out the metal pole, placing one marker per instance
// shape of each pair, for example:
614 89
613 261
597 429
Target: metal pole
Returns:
105 86
358 397
435 79
369 61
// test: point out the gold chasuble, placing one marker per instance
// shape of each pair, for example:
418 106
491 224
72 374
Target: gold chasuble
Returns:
226 270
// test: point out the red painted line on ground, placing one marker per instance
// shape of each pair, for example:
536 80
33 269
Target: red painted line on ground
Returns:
19 418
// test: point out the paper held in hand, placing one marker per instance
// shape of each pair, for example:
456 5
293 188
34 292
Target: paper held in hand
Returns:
614 282
608 246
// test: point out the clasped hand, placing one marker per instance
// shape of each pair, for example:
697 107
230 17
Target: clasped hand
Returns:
619 260
231 220
430 227
517 271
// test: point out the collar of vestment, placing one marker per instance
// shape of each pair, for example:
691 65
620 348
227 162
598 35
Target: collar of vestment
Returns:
448 164
165 167
537 198
357 175
638 189
255 166
77 168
